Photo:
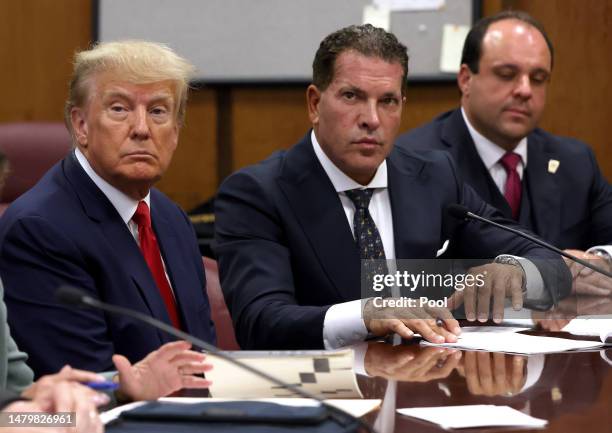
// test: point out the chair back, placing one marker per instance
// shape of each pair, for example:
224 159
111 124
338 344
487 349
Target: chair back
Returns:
226 339
31 149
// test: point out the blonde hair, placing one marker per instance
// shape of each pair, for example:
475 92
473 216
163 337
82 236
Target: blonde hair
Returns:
138 62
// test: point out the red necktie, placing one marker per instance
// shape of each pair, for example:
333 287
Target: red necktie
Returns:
152 255
513 182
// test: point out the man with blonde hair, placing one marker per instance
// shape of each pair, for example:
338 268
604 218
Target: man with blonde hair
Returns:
95 222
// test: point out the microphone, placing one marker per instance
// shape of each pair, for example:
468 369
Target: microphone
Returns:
78 298
461 212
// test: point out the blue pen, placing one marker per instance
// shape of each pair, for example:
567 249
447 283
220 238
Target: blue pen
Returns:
102 386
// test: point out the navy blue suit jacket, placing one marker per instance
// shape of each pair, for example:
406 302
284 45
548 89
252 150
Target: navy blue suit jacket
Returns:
286 252
65 231
571 208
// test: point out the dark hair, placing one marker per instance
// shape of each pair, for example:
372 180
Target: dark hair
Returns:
365 39
472 49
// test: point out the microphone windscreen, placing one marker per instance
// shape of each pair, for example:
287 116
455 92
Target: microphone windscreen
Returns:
70 295
457 211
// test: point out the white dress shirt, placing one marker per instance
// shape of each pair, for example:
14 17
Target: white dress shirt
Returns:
343 324
124 204
491 153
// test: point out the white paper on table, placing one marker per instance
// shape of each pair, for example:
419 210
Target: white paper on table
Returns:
410 5
453 37
478 415
357 408
594 326
511 342
378 17
326 374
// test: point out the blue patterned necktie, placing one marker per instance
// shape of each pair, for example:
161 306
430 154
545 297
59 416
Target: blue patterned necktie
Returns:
367 237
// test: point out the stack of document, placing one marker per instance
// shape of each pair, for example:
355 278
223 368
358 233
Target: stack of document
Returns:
594 326
489 338
326 374
477 415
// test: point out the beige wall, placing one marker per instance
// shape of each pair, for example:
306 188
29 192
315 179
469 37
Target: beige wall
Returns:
37 44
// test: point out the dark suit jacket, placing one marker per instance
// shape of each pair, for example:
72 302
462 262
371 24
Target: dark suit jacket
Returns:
571 208
286 252
65 231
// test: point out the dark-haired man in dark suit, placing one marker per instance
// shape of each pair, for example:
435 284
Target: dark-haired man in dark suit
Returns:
549 184
292 229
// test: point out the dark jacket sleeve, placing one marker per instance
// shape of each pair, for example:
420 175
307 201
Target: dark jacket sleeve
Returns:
256 271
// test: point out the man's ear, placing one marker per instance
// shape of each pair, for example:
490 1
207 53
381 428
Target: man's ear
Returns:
464 79
313 97
79 126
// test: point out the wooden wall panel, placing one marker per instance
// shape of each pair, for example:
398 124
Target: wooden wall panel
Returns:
192 176
37 41
580 92
39 37
266 119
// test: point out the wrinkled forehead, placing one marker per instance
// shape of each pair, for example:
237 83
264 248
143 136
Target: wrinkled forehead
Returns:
113 83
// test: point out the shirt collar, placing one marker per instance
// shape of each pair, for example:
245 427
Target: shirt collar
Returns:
489 152
339 179
124 204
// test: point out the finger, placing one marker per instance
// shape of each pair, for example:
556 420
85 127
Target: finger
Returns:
447 319
194 368
485 374
498 308
170 350
425 370
469 302
471 373
123 365
196 382
456 300
394 326
424 328
499 374
425 358
62 397
484 299
450 363
187 356
516 294
518 373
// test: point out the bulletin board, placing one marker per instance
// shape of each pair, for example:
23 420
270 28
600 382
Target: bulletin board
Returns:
272 41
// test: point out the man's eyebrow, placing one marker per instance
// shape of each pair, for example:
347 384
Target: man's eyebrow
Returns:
156 97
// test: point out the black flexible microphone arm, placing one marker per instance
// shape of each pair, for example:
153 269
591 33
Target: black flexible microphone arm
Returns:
76 297
461 212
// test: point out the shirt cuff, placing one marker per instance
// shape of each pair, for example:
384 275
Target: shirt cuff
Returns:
534 284
359 353
343 325
606 249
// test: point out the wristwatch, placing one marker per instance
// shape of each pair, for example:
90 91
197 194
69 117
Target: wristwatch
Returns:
507 259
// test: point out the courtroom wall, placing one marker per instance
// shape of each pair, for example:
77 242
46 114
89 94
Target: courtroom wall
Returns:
228 127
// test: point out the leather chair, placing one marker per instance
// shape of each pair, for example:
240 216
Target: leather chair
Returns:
226 339
31 149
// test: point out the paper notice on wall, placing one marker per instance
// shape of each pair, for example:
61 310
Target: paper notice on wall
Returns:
377 16
410 5
453 37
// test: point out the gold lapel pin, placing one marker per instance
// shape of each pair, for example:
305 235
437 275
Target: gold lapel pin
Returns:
553 165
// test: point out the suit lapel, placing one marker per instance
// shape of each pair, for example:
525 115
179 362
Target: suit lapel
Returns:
117 235
543 190
460 144
178 267
319 212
